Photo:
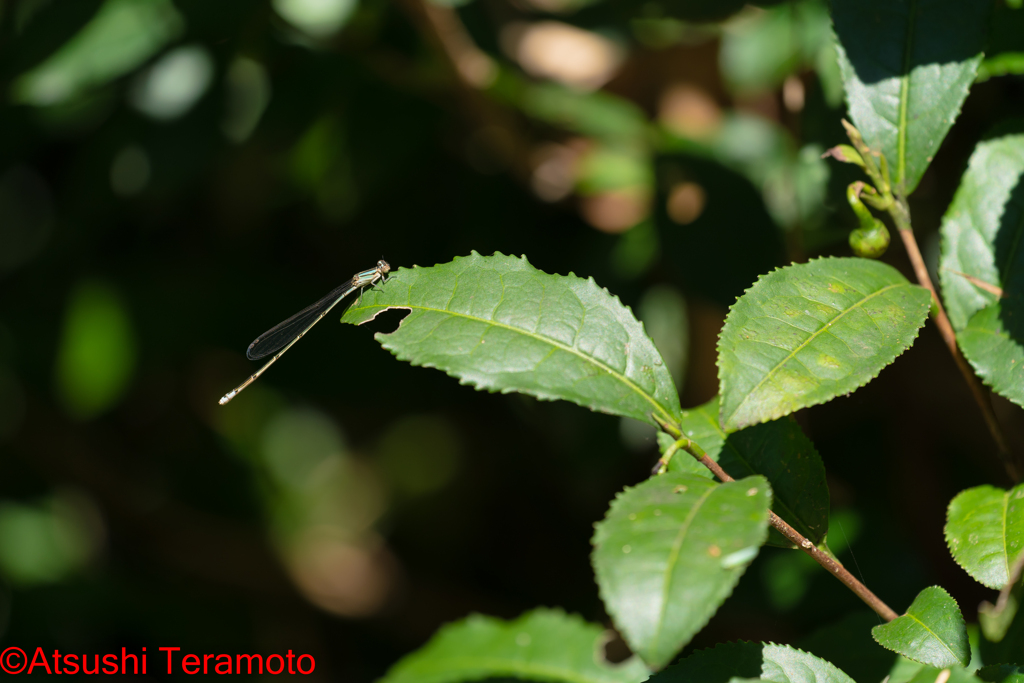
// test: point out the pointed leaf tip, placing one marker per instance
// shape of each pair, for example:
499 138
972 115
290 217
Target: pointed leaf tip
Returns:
807 333
932 631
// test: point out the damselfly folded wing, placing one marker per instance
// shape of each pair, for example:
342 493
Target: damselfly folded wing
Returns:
277 337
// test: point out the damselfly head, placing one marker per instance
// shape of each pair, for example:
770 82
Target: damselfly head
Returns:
383 267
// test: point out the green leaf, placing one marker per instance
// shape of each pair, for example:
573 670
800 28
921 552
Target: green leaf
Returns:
907 67
542 645
932 631
498 323
996 354
809 332
1001 673
670 551
985 532
767 661
982 264
983 229
780 451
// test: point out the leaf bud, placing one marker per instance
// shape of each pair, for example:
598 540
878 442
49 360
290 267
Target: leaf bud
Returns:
870 242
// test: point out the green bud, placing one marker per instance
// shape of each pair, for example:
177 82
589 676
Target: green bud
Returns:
870 242
845 154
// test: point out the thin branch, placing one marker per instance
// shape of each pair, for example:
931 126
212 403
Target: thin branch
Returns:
899 210
791 534
901 216
1004 595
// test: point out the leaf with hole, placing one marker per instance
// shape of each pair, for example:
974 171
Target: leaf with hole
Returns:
766 661
985 532
932 631
809 332
499 324
670 551
780 451
907 67
542 645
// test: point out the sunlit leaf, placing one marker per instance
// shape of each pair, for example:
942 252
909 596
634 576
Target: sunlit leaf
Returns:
670 551
981 229
542 645
807 333
985 532
498 323
780 451
932 631
907 67
122 35
982 266
97 351
766 661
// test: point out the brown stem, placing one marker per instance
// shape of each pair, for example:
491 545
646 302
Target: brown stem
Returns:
805 544
901 216
1015 573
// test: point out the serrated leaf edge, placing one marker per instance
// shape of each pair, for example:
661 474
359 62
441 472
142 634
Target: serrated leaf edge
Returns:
1006 551
717 484
777 414
927 628
986 378
382 337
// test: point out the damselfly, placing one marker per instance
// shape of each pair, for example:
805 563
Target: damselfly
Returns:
280 338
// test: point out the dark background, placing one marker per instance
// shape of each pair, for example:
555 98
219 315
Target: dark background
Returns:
348 504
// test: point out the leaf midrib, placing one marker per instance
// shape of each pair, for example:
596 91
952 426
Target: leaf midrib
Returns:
673 557
809 339
901 141
611 371
934 635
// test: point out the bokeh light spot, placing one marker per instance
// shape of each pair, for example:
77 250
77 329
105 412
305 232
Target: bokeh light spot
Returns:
316 18
122 35
96 357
